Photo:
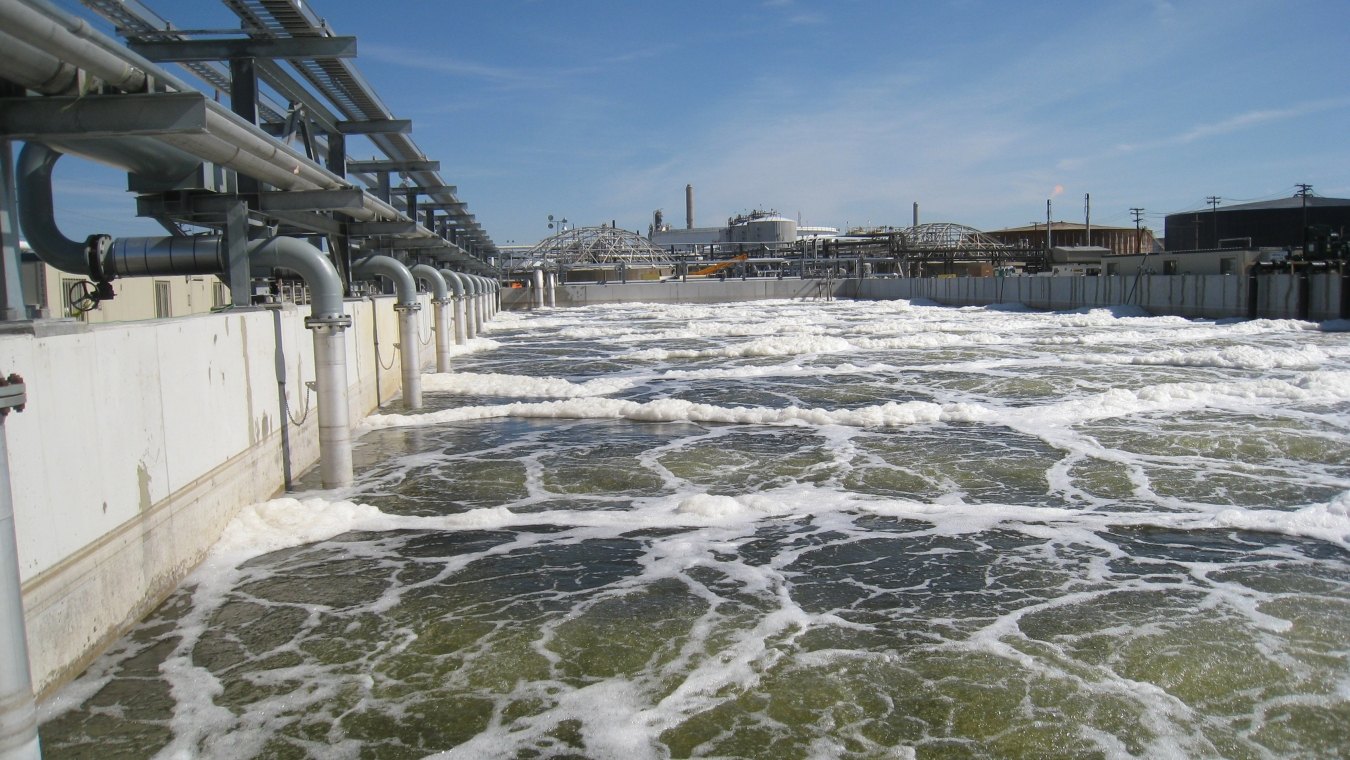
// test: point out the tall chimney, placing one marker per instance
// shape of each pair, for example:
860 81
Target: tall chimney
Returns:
689 207
916 213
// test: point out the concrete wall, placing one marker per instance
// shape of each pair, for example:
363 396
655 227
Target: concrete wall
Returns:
1207 296
140 442
675 291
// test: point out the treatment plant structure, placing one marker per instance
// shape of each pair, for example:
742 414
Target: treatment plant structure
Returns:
297 287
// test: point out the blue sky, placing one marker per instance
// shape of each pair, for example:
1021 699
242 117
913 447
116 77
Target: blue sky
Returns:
844 113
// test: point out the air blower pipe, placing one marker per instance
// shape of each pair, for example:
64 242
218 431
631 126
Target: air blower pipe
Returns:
104 259
407 307
461 308
440 300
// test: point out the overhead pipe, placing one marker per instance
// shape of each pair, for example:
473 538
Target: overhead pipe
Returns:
440 299
407 307
457 285
70 47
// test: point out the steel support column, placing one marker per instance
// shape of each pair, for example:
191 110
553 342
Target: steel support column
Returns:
11 284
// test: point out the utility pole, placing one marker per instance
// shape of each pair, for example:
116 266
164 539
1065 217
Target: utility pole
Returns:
1087 219
1213 202
1138 231
1047 226
1304 190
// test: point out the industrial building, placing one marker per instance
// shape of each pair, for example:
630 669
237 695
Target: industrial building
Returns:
1117 240
1268 224
758 227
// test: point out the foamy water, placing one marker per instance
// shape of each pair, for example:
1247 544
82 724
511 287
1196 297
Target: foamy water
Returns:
788 529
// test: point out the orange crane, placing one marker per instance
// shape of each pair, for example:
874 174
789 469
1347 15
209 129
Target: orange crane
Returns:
719 266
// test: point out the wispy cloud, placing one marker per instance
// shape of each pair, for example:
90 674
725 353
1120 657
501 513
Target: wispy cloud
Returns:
1237 123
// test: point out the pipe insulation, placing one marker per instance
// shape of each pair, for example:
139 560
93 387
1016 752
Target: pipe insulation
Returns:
440 301
407 306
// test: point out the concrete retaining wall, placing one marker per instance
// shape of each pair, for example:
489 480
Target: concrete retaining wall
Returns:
1186 295
142 440
674 291
1204 296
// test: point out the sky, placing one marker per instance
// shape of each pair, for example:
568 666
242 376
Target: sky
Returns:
839 113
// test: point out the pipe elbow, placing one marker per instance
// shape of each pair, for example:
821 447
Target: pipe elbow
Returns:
37 214
325 285
378 264
433 279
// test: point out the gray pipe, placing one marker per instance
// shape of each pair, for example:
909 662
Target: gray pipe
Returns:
537 297
441 302
329 323
550 289
38 70
476 305
470 305
407 307
457 284
68 40
18 712
37 215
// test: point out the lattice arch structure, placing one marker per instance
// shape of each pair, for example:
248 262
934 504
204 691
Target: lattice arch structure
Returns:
598 246
948 236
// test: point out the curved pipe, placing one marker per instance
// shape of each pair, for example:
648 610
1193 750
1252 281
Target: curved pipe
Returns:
325 284
460 306
407 308
387 266
37 216
441 308
440 291
455 283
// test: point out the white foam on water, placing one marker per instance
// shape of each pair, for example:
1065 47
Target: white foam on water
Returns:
1228 357
755 522
497 384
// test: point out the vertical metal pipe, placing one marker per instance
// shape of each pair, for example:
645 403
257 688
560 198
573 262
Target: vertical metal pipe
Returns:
550 289
457 285
11 286
410 355
442 306
470 306
537 298
18 712
330 370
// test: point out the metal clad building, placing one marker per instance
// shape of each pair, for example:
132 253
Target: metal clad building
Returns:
1268 224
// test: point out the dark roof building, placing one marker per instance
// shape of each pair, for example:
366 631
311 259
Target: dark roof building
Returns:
1268 224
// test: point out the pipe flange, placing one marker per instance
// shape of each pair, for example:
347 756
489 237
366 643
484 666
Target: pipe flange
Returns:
442 301
328 320
13 394
407 307
98 248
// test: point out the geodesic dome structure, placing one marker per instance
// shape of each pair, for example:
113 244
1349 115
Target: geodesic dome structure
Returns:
597 245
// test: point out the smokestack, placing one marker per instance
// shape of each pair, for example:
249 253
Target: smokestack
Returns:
1087 219
689 207
916 213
